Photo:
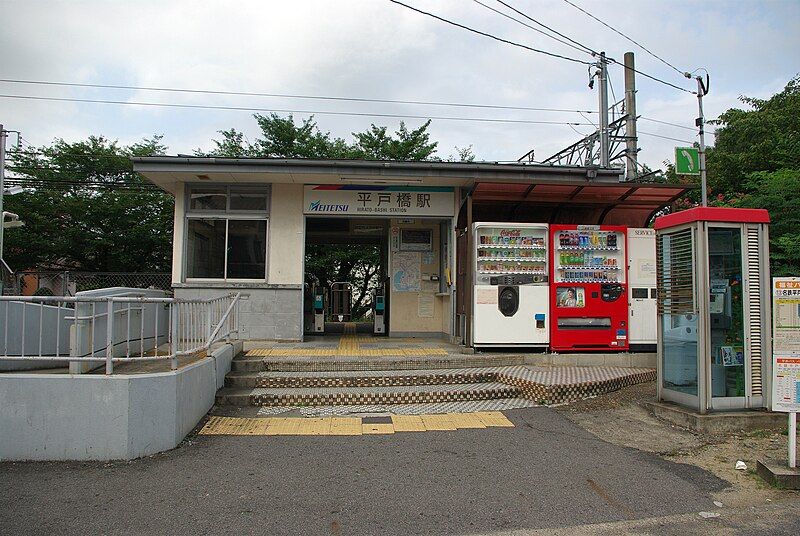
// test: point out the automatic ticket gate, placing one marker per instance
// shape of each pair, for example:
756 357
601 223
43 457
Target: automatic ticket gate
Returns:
318 309
378 313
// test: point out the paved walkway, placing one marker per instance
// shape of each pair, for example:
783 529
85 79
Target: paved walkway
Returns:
544 472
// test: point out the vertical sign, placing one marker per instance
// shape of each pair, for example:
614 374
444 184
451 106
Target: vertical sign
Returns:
786 344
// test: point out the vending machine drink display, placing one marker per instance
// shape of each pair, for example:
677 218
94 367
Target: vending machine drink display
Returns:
510 294
588 288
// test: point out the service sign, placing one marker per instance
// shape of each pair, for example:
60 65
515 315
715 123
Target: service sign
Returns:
377 201
786 344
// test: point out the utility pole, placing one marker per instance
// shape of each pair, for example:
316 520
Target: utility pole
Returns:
602 75
702 91
631 139
3 135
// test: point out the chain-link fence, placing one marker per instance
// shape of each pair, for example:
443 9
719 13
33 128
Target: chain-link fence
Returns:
50 283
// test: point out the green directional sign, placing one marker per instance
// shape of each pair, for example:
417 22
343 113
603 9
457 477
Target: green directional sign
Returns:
687 161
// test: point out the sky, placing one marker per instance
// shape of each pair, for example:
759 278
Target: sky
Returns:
376 49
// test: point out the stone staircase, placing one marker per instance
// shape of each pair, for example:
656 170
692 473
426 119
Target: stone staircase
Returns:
358 381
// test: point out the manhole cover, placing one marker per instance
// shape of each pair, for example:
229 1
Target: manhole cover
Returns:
383 419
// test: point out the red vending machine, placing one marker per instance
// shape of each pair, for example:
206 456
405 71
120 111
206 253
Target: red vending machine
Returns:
588 288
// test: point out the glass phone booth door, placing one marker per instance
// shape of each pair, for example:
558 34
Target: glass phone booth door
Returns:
726 344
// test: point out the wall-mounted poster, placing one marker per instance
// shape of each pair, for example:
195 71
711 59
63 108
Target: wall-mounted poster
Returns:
416 239
406 273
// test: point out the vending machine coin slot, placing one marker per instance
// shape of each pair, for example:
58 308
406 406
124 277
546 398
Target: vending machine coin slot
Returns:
508 300
611 292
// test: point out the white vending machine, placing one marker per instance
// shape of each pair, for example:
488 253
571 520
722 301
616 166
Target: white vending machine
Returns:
642 295
510 294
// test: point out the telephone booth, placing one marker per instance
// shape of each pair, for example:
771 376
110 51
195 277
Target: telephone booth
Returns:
714 337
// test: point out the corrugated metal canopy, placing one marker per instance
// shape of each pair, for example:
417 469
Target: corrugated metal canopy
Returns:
631 204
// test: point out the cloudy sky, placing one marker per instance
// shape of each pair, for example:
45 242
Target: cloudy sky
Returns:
379 50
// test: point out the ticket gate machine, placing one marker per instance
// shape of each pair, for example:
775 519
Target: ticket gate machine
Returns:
319 309
378 313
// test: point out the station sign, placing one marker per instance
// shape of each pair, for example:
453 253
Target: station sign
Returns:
379 201
786 344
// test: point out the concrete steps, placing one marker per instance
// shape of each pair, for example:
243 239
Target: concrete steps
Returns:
400 394
332 364
372 378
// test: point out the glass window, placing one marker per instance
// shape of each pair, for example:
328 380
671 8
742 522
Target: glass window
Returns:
208 199
206 248
247 249
248 200
726 312
679 347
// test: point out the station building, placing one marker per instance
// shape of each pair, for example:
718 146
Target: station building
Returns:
244 225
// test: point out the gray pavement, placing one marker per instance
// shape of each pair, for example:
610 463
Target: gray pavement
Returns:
545 472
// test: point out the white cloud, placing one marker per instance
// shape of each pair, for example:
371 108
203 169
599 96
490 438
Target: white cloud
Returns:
375 49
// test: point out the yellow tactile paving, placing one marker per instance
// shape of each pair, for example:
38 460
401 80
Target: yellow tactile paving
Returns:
437 422
349 345
386 428
408 423
465 420
493 418
345 426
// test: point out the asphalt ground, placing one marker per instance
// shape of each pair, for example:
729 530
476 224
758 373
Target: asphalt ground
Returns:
545 472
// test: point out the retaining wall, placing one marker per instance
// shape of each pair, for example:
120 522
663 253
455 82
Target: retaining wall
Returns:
99 417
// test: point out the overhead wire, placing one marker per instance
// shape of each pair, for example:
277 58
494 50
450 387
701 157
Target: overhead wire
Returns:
664 137
523 23
278 110
485 34
286 96
662 60
517 11
666 123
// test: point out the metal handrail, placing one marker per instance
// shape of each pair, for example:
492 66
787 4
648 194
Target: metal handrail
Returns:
186 326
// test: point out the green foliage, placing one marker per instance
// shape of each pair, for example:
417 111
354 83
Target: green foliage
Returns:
356 263
283 138
85 209
756 164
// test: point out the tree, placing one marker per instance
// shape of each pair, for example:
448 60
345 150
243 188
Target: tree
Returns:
85 209
756 163
283 138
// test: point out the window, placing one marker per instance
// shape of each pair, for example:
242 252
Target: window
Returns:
226 232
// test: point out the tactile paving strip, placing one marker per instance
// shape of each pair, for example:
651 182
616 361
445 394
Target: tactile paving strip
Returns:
327 426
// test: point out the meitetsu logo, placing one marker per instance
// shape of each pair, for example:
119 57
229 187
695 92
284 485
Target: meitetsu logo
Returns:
318 206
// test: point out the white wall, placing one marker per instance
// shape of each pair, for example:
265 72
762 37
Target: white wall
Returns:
286 241
178 233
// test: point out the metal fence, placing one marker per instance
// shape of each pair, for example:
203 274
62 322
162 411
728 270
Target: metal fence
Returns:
112 329
68 283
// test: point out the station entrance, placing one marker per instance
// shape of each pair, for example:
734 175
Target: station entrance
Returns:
377 276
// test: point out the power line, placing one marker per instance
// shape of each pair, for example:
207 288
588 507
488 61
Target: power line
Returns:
517 11
666 123
662 60
286 96
664 137
277 110
506 15
473 30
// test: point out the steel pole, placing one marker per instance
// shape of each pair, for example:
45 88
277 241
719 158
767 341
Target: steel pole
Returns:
701 91
3 135
631 137
603 79
792 440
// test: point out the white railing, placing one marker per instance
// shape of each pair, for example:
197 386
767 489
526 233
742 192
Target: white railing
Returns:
112 329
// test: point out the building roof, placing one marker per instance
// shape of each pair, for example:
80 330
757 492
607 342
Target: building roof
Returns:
715 214
533 192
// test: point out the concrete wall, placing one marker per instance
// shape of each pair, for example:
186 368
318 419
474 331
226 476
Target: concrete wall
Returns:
286 238
268 312
98 417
